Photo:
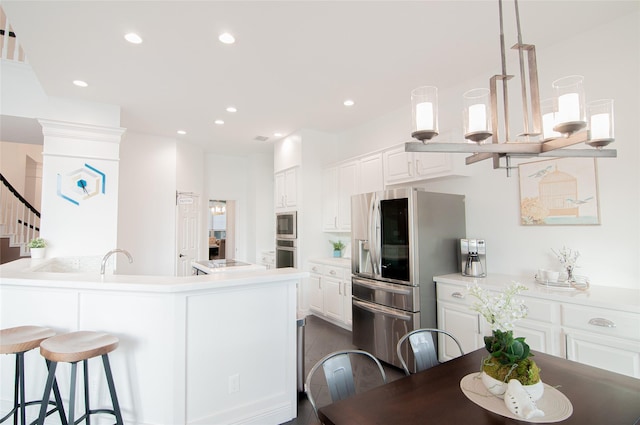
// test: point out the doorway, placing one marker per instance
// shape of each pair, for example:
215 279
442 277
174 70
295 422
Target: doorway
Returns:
221 232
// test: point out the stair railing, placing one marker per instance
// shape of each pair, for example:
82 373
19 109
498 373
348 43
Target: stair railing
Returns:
10 48
19 219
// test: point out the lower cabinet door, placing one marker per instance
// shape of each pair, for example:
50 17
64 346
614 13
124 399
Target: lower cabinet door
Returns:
333 299
614 354
316 296
464 324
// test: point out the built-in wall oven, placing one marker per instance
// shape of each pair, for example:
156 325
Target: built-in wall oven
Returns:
287 225
285 253
401 238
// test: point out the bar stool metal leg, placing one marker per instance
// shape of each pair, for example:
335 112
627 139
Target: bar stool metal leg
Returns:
112 390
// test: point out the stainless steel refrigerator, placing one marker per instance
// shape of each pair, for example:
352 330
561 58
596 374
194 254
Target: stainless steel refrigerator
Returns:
401 238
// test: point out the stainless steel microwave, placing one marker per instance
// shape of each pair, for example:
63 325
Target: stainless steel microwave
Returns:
286 225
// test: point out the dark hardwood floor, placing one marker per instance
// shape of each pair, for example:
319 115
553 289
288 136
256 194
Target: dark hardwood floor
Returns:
322 338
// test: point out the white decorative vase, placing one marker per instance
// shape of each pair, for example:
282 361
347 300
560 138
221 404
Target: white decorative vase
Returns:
498 388
37 253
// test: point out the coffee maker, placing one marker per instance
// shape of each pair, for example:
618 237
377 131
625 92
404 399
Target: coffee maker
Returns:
473 256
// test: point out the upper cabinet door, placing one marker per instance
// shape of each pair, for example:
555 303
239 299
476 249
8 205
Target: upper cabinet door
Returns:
286 189
398 165
347 186
371 177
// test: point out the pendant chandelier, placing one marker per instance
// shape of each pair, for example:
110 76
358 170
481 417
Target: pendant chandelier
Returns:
549 126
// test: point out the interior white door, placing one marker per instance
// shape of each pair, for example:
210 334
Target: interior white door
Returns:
187 217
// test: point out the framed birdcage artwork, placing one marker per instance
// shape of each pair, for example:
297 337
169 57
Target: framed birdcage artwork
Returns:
562 191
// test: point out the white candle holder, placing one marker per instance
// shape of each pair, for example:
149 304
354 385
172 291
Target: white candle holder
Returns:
424 105
477 115
600 113
569 103
548 112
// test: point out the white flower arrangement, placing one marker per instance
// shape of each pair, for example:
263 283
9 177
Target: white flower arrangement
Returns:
501 310
567 257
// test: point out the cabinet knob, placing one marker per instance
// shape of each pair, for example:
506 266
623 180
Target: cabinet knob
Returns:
599 321
458 295
332 272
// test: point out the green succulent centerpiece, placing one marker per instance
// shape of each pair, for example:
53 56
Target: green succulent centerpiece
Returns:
509 356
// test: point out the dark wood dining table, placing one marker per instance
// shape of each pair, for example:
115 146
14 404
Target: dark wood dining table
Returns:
598 397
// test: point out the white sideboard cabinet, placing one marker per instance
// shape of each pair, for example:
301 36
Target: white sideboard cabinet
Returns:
329 289
600 327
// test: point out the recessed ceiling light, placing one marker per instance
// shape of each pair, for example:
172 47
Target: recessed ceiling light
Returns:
80 83
227 38
277 134
231 109
219 122
133 38
349 102
181 132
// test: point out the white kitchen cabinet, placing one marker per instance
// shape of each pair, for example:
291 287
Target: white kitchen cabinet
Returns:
286 189
339 183
603 338
268 259
558 322
316 296
330 292
371 173
456 317
403 167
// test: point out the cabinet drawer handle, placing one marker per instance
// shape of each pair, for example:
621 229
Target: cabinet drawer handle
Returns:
458 295
314 269
332 272
605 323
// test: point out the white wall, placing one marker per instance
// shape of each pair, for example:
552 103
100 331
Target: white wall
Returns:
146 213
608 57
235 178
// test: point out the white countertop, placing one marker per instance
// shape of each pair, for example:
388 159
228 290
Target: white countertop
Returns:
21 272
332 261
622 299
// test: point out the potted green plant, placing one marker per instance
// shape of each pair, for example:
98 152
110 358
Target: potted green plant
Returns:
337 248
37 247
509 357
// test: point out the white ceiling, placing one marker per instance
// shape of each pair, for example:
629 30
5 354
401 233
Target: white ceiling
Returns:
293 63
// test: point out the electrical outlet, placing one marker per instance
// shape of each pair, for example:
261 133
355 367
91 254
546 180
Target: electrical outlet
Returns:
234 383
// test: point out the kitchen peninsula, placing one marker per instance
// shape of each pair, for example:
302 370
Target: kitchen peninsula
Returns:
216 348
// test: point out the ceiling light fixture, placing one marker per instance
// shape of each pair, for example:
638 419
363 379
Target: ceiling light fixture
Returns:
231 109
226 38
549 126
277 134
219 122
80 83
133 38
181 132
348 102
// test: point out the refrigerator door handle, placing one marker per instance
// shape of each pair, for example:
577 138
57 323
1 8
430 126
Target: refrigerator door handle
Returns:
382 286
372 240
378 309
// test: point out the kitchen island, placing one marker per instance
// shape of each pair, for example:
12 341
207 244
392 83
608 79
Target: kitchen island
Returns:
208 349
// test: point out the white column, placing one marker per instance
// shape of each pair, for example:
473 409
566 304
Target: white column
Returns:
79 188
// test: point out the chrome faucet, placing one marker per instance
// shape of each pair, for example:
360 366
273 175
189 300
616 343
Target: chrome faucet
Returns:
108 254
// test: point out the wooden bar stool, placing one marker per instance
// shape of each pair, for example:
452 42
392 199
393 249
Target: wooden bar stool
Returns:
18 341
72 348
